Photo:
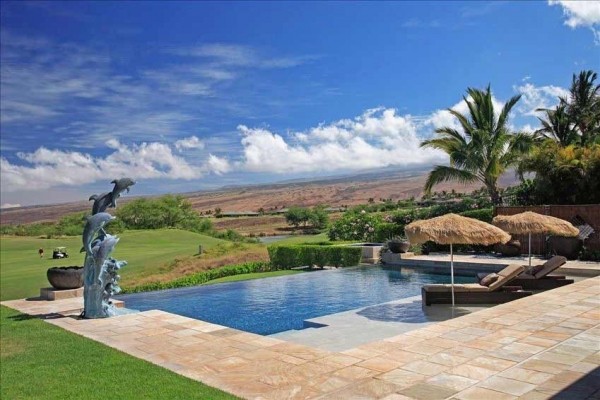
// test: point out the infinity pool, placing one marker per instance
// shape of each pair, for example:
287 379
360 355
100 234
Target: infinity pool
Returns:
271 305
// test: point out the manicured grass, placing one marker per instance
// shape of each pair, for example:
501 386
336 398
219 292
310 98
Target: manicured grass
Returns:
301 239
23 273
254 275
41 361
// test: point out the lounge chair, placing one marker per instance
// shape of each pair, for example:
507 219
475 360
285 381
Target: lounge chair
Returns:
475 293
537 277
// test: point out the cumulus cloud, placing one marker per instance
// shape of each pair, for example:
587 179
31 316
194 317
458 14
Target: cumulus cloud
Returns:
581 14
45 168
443 118
378 138
191 142
534 97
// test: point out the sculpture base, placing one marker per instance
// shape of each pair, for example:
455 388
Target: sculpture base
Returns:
52 294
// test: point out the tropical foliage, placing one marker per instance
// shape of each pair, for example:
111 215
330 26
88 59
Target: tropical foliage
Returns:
576 118
484 149
563 175
565 166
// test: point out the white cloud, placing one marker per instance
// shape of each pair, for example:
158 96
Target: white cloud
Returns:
234 55
377 138
581 14
46 168
9 205
534 97
191 142
218 165
443 118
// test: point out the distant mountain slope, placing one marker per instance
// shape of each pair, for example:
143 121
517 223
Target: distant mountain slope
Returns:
333 191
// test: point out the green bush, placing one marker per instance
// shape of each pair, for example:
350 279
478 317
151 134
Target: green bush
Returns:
204 276
286 257
485 214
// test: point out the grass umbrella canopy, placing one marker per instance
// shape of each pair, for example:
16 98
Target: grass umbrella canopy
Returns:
533 223
455 229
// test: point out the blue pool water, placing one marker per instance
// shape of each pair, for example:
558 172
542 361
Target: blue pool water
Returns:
267 306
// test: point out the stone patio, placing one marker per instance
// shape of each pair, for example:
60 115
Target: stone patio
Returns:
543 346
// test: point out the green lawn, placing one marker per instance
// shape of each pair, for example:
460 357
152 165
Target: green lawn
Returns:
301 239
42 361
23 273
254 275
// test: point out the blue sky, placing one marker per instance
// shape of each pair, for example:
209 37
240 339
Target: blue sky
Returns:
186 96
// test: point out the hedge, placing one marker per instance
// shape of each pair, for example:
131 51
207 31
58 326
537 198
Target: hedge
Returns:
483 214
285 257
203 277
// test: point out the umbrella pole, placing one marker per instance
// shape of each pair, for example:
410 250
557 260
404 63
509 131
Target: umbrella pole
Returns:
452 272
529 249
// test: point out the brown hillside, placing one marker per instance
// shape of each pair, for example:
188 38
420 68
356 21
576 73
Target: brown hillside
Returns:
347 191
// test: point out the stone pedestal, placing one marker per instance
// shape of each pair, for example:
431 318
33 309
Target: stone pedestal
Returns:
51 294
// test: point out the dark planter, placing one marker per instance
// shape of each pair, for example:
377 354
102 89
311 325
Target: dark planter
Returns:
565 246
398 246
510 249
63 278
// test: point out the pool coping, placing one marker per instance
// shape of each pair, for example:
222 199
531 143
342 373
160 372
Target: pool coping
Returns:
533 347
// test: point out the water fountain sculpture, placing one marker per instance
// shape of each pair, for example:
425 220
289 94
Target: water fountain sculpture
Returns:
100 272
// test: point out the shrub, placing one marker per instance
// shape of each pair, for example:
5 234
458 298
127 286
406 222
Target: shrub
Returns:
355 226
285 257
203 277
485 214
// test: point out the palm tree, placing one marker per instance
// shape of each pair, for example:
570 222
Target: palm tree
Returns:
485 148
583 106
558 126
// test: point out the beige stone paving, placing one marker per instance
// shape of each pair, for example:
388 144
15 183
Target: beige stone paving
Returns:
532 348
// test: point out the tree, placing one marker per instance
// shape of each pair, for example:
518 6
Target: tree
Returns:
318 217
296 215
484 150
558 125
583 106
563 175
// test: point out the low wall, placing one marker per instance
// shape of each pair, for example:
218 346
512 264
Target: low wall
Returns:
590 213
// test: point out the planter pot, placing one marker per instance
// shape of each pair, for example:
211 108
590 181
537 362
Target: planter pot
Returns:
510 249
399 247
565 246
63 278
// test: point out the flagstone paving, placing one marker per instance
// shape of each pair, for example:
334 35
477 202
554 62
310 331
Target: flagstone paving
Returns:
543 346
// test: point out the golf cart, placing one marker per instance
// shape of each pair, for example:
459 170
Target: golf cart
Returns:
60 252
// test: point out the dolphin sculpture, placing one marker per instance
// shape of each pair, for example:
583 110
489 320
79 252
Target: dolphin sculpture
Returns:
103 249
120 186
101 202
93 225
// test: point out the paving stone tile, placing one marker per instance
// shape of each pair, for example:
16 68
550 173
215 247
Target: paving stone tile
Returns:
479 393
506 385
402 378
543 366
355 372
425 367
526 375
493 363
446 359
424 391
454 382
471 371
380 364
369 389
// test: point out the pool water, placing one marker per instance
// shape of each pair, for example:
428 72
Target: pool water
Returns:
271 305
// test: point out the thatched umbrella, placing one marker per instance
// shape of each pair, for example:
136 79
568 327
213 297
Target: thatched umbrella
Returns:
454 229
529 222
